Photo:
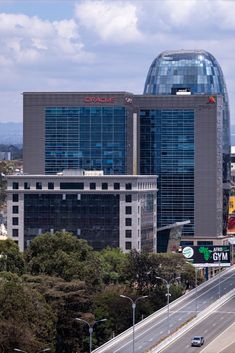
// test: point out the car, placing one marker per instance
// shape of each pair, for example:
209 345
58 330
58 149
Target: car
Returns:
197 341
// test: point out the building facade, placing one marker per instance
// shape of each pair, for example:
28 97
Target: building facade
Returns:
115 211
177 137
195 72
78 131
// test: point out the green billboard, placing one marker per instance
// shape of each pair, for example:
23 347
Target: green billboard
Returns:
208 256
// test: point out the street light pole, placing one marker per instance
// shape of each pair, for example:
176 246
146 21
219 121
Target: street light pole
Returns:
91 329
196 289
133 305
168 284
219 280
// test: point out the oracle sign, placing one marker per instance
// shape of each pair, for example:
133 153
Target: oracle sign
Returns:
99 99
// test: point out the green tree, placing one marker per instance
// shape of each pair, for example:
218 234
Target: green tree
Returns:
64 255
11 259
26 320
113 262
68 300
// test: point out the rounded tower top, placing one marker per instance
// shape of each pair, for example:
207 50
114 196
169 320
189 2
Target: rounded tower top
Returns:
195 70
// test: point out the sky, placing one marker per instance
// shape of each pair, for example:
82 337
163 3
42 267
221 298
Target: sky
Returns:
104 45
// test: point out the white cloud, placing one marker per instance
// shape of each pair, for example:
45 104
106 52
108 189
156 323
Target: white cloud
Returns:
30 39
115 22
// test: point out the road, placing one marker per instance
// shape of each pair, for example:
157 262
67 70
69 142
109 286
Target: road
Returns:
154 331
218 331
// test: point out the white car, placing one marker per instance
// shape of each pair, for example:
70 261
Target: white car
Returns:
197 341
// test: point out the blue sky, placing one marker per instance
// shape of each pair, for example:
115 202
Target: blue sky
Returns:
89 45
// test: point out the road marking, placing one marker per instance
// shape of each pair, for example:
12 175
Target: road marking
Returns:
147 329
213 324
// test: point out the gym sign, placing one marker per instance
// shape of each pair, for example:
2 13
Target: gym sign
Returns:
207 256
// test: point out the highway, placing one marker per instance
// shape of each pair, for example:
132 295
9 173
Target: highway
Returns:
218 331
150 331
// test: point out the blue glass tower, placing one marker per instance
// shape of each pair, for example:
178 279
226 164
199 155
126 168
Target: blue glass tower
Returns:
194 72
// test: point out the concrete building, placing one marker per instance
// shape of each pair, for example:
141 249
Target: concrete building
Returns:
105 210
177 137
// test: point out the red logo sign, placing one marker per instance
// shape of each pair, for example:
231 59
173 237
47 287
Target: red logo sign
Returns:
211 100
99 99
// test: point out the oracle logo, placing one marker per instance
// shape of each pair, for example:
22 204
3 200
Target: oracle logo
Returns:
99 99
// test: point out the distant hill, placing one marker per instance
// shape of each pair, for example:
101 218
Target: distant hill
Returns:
11 134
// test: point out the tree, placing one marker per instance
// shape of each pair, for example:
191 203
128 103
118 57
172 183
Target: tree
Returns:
113 265
26 320
64 255
11 259
68 300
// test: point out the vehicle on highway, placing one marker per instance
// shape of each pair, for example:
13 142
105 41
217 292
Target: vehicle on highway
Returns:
197 341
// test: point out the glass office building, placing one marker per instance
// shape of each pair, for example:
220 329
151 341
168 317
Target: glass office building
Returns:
167 150
193 72
91 138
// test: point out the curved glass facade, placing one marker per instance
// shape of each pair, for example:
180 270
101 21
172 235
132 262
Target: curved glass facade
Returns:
198 72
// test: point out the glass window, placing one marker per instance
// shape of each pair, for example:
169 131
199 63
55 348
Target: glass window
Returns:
15 197
50 186
81 137
128 198
128 233
116 186
15 221
128 210
128 222
104 186
27 185
72 186
38 185
15 209
15 185
128 245
15 232
128 186
205 242
92 186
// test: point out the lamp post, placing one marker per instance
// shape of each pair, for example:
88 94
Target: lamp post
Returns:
91 328
168 284
219 281
196 289
133 305
41 351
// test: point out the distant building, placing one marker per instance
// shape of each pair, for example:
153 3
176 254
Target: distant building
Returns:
3 232
116 211
5 156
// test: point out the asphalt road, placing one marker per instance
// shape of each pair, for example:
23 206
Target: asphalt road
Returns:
153 332
214 328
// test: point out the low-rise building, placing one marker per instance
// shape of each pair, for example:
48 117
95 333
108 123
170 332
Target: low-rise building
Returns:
106 210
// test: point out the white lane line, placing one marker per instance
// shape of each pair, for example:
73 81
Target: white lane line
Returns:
119 349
